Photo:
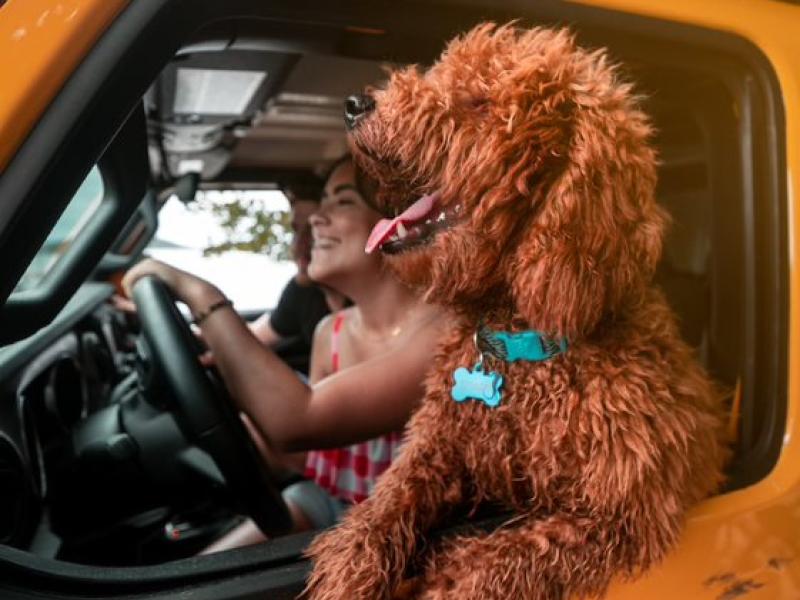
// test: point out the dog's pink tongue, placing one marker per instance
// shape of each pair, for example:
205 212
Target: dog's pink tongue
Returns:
382 230
386 227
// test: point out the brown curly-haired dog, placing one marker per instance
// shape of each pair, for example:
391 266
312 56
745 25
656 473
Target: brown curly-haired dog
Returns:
545 220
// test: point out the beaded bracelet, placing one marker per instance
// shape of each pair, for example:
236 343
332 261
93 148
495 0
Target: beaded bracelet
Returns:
202 316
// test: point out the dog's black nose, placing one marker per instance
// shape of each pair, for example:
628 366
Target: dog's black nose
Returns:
356 107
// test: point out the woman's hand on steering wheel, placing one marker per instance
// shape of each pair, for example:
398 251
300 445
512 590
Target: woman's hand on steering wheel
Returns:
186 287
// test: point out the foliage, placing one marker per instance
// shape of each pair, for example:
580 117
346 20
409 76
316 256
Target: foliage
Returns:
252 221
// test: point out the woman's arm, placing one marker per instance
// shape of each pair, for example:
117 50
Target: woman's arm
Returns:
319 368
356 404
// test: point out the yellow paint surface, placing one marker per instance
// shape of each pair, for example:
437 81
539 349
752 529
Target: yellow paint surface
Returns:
745 544
41 43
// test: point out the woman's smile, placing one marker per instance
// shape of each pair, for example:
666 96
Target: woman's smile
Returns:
324 243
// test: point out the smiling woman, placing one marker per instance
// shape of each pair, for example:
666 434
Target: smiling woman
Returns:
292 416
366 372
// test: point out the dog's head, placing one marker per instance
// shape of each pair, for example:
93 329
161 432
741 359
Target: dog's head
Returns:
534 172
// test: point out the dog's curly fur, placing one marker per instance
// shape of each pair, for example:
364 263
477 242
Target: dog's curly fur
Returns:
598 451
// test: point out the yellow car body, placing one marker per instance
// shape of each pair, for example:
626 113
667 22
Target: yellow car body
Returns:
745 543
42 42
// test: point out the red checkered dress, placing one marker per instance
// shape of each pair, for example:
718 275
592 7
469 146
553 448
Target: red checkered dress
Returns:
350 473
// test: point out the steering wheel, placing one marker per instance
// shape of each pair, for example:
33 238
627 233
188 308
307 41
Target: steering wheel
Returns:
204 410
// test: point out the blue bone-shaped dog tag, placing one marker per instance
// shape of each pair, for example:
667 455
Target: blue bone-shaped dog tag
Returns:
477 385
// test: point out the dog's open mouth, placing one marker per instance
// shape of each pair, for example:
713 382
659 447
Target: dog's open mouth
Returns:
415 227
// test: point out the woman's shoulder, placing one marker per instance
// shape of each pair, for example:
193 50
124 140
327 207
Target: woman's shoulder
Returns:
347 312
324 327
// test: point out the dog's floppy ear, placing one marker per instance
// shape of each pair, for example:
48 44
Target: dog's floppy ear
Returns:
594 241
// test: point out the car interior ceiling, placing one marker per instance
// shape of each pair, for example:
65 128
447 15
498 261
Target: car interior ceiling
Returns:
290 122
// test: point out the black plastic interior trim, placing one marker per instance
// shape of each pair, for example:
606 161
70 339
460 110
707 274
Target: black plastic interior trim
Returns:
113 261
14 356
283 585
771 277
48 575
78 126
124 171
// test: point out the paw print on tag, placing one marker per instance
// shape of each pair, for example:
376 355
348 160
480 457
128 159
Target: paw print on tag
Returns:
477 385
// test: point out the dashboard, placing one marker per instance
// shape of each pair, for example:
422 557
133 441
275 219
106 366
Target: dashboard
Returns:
49 383
97 465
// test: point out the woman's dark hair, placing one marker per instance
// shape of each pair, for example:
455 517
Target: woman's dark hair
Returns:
305 186
365 185
344 158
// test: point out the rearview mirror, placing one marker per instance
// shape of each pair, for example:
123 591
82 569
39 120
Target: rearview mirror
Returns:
185 187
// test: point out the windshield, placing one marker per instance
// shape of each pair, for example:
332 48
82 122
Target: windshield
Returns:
74 219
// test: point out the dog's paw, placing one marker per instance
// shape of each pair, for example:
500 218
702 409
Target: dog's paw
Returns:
348 565
454 573
445 587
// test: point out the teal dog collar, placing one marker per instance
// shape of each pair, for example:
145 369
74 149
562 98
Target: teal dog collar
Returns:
486 387
523 345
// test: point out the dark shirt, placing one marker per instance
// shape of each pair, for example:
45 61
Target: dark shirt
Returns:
294 319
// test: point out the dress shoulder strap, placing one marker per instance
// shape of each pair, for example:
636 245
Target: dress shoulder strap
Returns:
337 327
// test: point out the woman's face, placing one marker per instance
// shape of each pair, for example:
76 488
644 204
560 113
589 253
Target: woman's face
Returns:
340 229
301 240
